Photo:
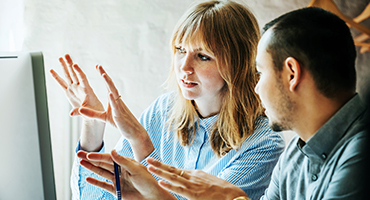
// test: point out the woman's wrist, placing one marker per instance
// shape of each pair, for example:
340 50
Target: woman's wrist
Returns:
242 198
92 133
235 193
141 146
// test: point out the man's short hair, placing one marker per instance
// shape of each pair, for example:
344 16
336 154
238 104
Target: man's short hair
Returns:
321 42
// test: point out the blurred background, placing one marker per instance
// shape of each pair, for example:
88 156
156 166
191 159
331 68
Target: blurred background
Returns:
131 40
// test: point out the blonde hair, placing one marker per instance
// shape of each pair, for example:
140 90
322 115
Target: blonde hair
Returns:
229 31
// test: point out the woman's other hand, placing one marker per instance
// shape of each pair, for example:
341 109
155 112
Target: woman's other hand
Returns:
136 182
193 184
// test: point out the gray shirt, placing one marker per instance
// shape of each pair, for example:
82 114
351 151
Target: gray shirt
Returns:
330 165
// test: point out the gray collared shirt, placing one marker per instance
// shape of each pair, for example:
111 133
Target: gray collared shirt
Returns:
330 165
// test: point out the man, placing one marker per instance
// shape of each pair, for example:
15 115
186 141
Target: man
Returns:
307 84
306 59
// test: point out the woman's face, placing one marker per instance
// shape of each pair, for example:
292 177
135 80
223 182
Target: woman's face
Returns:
197 73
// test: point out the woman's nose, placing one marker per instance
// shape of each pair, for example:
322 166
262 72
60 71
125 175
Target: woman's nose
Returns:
187 64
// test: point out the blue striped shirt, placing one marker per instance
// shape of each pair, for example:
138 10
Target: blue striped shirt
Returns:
249 168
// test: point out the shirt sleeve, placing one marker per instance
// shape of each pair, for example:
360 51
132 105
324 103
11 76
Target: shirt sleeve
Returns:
80 188
153 120
252 170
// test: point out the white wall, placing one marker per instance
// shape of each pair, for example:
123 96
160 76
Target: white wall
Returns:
130 38
12 26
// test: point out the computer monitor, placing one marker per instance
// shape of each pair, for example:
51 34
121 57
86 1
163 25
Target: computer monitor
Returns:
26 168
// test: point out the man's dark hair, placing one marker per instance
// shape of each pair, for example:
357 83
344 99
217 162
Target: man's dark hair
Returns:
321 42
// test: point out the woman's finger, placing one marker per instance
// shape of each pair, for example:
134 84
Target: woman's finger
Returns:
101 157
90 113
81 75
100 69
102 72
102 184
102 160
59 79
115 99
101 164
66 71
176 189
71 70
120 111
128 164
82 154
108 174
166 171
111 87
74 112
175 179
115 102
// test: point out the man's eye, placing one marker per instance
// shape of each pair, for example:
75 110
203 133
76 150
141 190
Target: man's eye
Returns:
202 57
181 50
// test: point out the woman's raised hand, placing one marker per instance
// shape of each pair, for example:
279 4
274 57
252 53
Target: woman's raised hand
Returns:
117 113
76 87
120 116
80 94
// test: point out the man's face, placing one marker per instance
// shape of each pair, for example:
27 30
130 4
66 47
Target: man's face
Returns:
271 89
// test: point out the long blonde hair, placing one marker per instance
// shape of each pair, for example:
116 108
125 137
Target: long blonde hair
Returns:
230 31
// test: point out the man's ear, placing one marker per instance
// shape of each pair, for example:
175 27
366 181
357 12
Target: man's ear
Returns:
293 72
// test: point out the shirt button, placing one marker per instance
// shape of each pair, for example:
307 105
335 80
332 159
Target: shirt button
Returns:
314 177
323 156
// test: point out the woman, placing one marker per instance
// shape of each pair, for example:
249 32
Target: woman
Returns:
214 122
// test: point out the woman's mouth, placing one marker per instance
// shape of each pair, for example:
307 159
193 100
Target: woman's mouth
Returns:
188 84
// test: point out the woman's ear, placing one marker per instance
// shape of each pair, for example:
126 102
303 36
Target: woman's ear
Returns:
293 72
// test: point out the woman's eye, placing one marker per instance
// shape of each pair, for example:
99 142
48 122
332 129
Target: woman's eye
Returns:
202 57
181 50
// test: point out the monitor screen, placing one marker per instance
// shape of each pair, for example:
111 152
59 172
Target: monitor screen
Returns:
26 169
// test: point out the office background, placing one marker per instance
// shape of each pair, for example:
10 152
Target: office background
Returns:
131 40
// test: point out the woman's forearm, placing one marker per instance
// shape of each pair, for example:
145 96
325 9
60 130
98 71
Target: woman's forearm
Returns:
92 133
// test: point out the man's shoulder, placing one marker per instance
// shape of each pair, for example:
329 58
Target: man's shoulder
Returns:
354 145
356 137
